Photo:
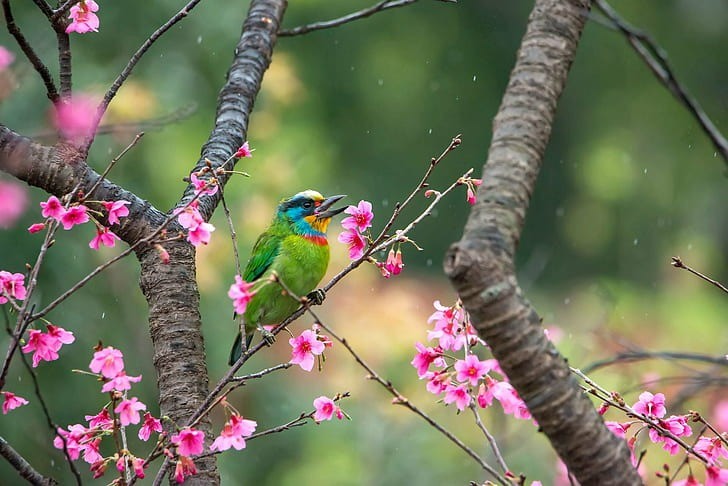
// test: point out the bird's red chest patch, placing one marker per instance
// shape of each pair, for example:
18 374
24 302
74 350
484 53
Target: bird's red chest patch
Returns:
319 240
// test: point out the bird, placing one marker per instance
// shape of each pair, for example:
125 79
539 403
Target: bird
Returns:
295 249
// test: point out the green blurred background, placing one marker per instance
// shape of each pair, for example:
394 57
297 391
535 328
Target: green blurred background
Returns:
628 181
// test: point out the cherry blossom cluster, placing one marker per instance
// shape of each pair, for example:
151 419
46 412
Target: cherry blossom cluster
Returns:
355 225
12 286
467 379
198 230
85 441
78 213
650 409
45 345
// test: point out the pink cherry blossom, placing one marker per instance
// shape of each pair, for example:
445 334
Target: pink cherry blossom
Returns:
120 382
99 468
74 438
202 186
361 217
424 358
13 199
108 361
46 345
305 347
91 452
201 234
449 321
233 434
393 265
240 293
470 196
716 476
184 467
101 420
103 237
83 18
128 411
150 425
437 381
190 217
52 208
651 405
36 227
6 58
618 429
74 118
12 285
458 394
510 401
326 408
116 209
244 151
73 216
135 463
485 393
472 369
12 401
355 241
720 415
712 448
189 441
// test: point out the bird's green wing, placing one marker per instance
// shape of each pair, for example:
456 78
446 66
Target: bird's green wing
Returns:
264 252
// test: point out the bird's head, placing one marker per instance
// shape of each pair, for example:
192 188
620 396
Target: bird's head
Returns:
308 212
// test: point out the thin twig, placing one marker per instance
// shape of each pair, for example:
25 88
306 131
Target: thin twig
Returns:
379 7
399 399
121 78
656 59
25 46
489 437
233 234
631 356
678 263
113 163
608 397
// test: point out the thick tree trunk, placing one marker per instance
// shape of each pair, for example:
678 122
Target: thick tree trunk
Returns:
481 264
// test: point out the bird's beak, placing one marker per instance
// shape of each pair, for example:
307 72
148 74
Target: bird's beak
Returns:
323 211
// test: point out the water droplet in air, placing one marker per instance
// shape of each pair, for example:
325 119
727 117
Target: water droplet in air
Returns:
567 301
199 39
385 202
474 77
103 315
429 262
429 131
635 241
645 171
380 82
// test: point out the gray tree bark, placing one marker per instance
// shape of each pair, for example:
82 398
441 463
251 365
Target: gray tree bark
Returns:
481 265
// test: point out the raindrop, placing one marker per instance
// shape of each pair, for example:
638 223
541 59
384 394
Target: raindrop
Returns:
368 132
715 154
645 171
474 77
336 42
690 145
352 68
199 39
457 98
560 212
103 315
429 262
635 241
429 131
53 463
380 82
690 246
567 301
385 202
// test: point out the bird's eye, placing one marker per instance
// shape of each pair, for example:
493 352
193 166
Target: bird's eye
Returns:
307 205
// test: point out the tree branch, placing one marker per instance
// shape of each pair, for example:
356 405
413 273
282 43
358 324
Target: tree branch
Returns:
481 265
327 24
656 59
25 470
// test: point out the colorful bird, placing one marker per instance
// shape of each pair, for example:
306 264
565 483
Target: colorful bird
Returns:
294 247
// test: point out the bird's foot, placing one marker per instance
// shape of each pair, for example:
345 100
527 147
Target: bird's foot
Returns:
268 337
316 297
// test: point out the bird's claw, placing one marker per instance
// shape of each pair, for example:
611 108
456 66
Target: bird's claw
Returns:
268 337
316 297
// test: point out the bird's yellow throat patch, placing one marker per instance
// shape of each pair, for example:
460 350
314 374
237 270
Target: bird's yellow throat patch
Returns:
318 224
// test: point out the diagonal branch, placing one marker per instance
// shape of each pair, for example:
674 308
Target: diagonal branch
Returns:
25 46
25 470
656 59
126 72
327 24
481 266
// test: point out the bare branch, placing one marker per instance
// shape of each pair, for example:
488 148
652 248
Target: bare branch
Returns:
656 59
25 470
678 263
41 68
130 66
631 356
381 6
